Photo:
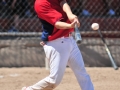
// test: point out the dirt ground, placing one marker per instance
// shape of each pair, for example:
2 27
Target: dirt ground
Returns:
15 78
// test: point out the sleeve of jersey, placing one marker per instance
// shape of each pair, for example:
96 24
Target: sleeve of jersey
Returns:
61 0
51 16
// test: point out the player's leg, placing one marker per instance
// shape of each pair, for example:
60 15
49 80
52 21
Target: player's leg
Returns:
58 54
77 65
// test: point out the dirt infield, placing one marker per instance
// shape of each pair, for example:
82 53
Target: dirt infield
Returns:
16 78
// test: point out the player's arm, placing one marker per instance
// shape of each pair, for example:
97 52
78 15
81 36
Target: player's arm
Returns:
64 25
68 11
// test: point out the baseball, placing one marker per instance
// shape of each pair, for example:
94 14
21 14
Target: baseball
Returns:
95 26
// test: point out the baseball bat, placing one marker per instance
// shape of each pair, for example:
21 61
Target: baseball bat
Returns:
78 37
108 51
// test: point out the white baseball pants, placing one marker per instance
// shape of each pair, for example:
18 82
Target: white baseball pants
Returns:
61 52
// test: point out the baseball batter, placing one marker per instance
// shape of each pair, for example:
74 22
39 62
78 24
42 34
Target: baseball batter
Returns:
60 48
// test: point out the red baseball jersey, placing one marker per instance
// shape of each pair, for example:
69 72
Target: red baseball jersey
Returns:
49 12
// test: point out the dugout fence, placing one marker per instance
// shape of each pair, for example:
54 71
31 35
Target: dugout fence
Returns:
20 37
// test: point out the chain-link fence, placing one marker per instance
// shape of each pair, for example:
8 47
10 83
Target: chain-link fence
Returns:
20 30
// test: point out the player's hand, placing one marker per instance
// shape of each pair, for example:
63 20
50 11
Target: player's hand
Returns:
73 18
42 43
72 25
77 22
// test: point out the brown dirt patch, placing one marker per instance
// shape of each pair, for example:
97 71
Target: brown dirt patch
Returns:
103 78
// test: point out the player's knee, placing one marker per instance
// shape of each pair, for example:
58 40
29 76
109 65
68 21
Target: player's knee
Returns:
53 82
53 85
50 86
